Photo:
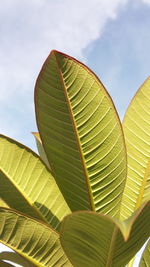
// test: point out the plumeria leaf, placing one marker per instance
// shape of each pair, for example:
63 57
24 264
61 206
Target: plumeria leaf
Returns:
81 135
32 239
27 185
92 239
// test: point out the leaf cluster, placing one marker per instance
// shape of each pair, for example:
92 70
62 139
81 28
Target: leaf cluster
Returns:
84 200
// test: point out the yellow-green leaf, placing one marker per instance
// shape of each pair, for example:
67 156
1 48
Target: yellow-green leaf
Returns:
41 149
27 185
136 125
81 134
92 239
145 260
15 258
34 240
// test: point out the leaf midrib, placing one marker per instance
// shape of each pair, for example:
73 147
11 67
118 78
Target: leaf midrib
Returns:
91 202
24 195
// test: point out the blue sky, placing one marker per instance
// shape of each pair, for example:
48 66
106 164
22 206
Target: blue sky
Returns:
121 56
111 37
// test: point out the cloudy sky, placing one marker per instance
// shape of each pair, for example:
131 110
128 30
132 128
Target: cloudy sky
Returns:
111 37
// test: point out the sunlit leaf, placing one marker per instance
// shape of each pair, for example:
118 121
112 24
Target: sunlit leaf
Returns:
136 125
92 239
34 240
81 135
41 149
27 185
145 260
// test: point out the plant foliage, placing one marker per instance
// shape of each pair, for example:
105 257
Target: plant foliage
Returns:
85 200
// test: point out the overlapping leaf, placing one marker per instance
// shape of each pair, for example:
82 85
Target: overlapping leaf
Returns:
32 239
91 239
5 264
27 185
41 149
145 260
81 135
15 258
136 127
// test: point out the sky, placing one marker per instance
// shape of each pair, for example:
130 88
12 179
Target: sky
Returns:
112 37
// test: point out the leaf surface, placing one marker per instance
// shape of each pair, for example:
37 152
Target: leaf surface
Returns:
145 260
5 264
27 185
15 258
92 239
81 134
34 240
136 125
41 149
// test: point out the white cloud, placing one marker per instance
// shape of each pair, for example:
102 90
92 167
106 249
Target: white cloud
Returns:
146 2
28 31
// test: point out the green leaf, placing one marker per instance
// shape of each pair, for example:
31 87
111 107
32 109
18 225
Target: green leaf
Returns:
5 264
27 185
145 260
15 258
34 240
92 239
81 135
136 127
41 149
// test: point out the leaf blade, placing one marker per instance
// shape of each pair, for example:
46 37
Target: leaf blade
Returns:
27 185
145 260
15 258
41 149
81 134
91 239
136 125
5 264
32 239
